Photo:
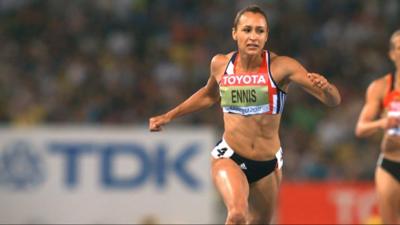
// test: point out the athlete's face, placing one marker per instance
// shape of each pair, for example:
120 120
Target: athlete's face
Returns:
394 53
251 33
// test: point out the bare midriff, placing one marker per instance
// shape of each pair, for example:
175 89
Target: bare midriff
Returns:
391 147
254 137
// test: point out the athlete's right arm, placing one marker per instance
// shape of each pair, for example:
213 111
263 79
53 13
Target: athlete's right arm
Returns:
368 121
205 97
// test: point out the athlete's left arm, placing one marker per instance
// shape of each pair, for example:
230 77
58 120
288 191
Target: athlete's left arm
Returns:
314 83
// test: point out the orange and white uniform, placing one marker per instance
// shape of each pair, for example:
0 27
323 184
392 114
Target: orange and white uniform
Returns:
391 102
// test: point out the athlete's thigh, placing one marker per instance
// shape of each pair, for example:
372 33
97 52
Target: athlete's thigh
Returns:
231 182
388 189
263 197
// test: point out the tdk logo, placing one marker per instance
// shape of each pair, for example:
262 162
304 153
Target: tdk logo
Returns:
20 166
154 166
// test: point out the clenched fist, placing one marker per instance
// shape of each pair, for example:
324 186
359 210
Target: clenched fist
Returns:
156 123
318 81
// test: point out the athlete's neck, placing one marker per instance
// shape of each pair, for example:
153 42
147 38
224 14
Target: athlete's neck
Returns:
249 63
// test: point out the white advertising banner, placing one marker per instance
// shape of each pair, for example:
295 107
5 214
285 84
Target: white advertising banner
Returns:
91 175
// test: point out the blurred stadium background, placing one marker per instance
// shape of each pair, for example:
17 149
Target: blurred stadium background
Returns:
79 80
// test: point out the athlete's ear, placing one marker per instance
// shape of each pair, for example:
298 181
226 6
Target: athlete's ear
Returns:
234 34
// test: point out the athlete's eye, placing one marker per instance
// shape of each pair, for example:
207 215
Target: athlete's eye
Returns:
260 30
246 29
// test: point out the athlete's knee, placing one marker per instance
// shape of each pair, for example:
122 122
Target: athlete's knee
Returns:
236 216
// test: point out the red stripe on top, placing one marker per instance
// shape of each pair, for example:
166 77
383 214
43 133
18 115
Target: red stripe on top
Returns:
264 64
272 91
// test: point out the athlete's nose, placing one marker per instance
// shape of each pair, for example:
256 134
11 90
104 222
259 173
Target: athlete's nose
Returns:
253 35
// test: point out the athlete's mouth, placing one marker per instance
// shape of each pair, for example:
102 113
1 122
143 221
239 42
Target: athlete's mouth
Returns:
252 45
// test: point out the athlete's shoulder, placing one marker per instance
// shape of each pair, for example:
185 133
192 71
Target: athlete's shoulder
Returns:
286 64
275 58
220 60
379 85
380 81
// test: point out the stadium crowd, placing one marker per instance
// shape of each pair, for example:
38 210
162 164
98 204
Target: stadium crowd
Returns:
120 62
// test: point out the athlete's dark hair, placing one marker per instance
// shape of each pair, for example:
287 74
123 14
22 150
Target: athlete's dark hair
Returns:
253 9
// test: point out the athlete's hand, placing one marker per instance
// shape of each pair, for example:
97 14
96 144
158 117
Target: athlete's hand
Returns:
156 123
318 81
390 122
